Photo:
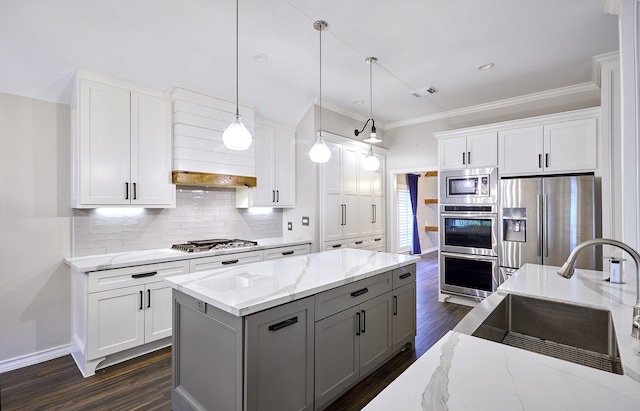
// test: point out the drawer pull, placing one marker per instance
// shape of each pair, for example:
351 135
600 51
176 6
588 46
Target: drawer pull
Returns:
405 275
287 252
142 275
359 242
229 262
336 245
283 324
359 292
377 239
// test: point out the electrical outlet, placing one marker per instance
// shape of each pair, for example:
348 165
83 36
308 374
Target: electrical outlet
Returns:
201 306
305 220
289 226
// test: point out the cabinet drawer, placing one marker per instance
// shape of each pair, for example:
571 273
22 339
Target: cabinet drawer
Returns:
281 252
359 243
138 275
404 275
219 261
333 245
338 299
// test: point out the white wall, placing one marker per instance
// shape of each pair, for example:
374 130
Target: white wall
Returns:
34 227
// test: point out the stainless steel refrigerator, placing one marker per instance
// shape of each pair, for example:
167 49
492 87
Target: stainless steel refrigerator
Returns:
543 218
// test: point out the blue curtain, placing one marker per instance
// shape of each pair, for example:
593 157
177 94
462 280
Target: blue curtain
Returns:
412 181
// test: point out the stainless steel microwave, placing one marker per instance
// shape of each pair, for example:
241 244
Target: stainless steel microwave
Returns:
470 186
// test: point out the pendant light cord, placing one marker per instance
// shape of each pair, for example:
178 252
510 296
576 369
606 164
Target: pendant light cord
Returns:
371 89
320 130
237 46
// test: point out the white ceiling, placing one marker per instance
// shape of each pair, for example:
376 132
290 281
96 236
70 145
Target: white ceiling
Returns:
536 45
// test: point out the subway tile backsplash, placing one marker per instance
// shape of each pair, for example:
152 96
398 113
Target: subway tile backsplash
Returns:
199 214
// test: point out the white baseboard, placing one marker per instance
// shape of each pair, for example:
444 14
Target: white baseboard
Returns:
35 358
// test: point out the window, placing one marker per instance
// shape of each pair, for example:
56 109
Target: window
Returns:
405 221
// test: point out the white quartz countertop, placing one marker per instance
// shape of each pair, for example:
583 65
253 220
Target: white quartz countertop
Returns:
465 372
133 258
249 288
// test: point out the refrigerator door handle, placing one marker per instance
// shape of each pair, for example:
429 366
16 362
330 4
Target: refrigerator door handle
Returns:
546 217
539 225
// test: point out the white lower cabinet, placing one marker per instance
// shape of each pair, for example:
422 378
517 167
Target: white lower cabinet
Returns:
283 252
121 313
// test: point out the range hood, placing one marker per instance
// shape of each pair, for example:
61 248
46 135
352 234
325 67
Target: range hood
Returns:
194 178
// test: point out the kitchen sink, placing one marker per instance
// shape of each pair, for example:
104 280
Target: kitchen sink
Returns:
582 335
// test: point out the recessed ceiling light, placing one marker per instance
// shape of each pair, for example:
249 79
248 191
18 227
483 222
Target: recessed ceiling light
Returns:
260 58
358 102
486 66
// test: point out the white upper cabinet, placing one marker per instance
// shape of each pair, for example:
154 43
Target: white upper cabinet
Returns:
470 151
275 169
121 142
568 146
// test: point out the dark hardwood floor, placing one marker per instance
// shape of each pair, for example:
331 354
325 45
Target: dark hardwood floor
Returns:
144 383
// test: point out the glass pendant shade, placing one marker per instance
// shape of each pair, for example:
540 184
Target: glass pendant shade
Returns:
371 162
236 136
320 153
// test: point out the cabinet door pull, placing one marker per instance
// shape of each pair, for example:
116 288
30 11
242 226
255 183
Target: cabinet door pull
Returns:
283 324
273 196
358 324
360 292
229 262
364 320
148 298
126 191
287 252
546 160
135 191
539 160
405 275
375 213
395 305
141 275
277 196
468 157
141 299
463 162
359 242
336 245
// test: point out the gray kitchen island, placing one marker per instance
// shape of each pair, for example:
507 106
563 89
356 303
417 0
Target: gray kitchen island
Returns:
293 333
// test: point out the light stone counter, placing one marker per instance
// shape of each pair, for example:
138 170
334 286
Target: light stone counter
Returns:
465 372
249 288
133 258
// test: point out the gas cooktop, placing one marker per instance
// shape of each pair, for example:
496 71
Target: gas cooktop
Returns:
214 244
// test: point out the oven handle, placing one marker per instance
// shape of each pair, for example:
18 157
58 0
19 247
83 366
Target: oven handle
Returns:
478 215
477 257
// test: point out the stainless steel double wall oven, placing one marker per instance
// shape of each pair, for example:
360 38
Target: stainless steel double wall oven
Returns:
469 232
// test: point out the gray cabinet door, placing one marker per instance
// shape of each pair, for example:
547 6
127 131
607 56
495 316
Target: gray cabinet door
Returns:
404 315
375 332
337 354
279 357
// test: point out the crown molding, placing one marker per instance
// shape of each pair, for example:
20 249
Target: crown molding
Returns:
342 111
598 61
558 92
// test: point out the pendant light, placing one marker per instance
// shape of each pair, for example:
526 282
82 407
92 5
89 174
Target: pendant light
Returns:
371 162
320 153
373 136
236 136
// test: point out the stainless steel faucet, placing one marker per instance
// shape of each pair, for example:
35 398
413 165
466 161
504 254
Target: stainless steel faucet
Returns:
567 270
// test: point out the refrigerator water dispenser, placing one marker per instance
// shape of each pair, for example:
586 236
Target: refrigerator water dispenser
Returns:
514 224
